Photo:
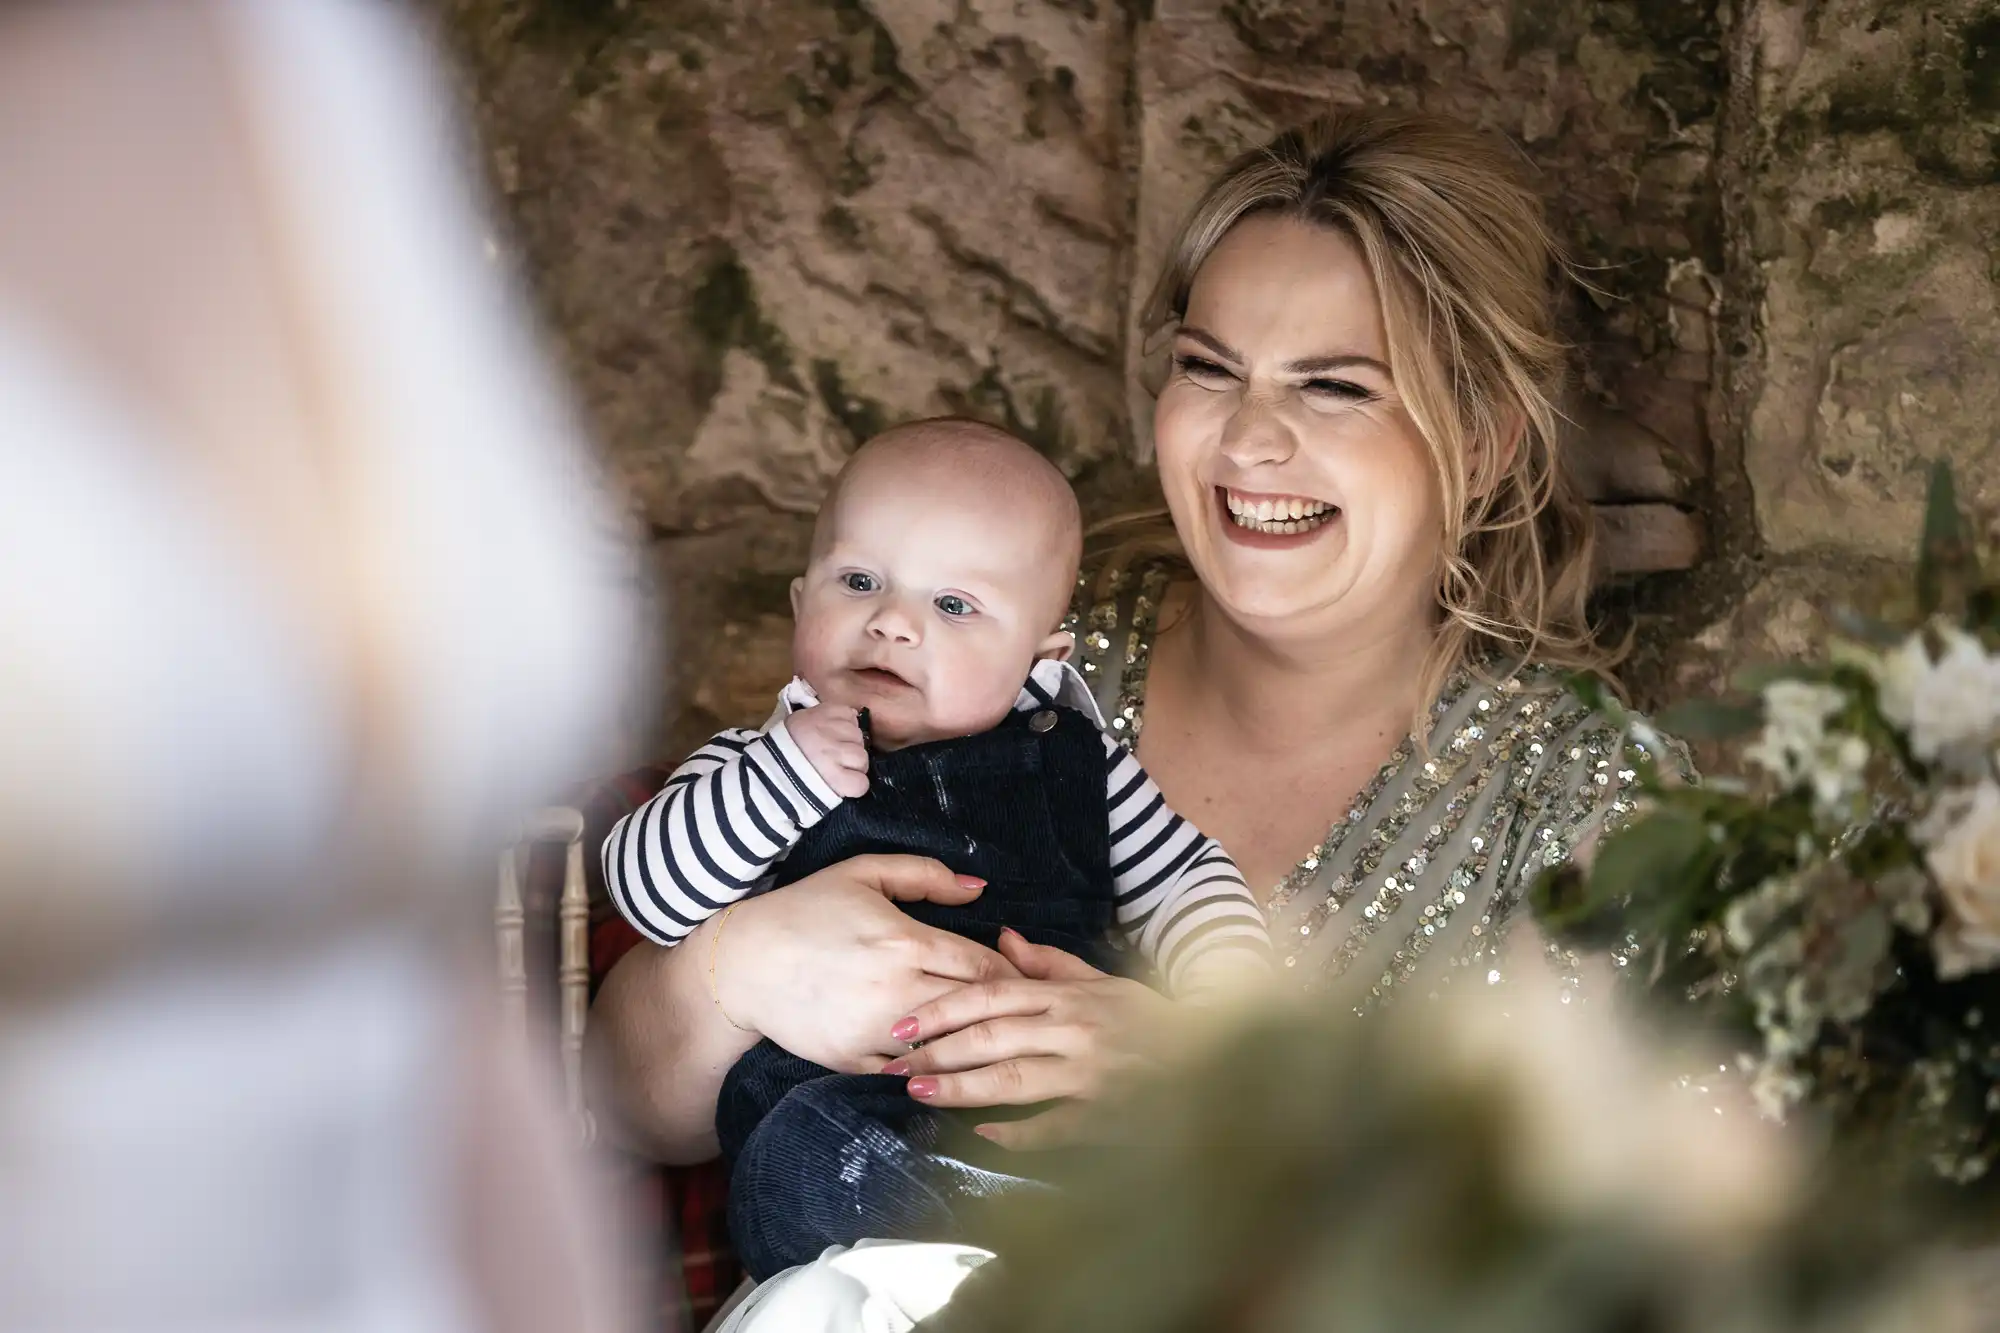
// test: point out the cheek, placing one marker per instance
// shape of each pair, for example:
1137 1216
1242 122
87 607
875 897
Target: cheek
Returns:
1183 433
973 675
816 640
1395 472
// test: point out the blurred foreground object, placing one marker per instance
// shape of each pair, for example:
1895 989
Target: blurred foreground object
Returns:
1843 899
1500 1160
307 590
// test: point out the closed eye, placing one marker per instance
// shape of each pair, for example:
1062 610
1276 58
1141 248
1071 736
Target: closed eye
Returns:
1204 372
1346 390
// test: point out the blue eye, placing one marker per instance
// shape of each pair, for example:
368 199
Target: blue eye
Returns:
856 581
953 605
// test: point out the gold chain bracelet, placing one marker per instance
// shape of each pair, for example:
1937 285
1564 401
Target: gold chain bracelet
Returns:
715 944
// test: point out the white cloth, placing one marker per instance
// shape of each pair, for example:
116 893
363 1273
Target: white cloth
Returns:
224 1137
878 1286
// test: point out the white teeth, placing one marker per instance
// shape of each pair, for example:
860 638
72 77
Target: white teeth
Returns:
1283 517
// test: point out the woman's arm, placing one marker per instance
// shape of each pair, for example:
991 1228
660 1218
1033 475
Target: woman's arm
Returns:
824 968
656 1050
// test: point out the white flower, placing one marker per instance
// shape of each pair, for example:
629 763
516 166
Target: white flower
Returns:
1801 707
1776 1087
1796 748
1795 714
1594 1134
1899 676
1964 855
1941 703
1836 773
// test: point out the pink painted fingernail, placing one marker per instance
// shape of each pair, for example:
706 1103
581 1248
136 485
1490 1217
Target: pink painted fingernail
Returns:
905 1030
897 1067
969 881
923 1088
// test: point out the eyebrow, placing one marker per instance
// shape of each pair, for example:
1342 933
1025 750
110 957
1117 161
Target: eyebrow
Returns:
1311 365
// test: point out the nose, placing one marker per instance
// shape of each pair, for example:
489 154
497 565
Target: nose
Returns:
892 623
1256 433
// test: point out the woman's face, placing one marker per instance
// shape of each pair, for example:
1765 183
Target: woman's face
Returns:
1300 486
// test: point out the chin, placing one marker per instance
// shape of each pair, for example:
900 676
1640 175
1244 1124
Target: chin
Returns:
1270 585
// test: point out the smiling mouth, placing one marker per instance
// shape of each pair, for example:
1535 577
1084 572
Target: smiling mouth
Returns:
1275 515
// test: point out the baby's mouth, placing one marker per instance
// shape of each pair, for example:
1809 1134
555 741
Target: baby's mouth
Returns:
874 675
1276 515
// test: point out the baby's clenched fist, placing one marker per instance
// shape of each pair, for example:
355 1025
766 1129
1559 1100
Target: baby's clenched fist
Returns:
830 737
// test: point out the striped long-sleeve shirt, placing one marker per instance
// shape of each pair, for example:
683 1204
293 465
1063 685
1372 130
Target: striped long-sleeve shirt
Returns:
741 802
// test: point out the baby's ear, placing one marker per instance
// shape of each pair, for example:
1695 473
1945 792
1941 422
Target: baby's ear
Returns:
1060 646
798 594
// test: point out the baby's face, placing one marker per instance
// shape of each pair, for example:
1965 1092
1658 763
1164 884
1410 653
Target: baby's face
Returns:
927 607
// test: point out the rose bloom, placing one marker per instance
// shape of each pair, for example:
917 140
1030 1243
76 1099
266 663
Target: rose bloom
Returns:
1965 858
1941 703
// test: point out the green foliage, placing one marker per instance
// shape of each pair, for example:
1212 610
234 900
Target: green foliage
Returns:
1801 898
1947 566
1709 720
724 313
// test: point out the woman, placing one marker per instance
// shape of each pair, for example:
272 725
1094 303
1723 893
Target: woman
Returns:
1342 662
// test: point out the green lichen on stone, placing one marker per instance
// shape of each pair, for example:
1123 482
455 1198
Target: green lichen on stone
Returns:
1942 105
1842 212
724 314
1678 42
991 398
1689 73
1544 25
861 417
572 20
1979 62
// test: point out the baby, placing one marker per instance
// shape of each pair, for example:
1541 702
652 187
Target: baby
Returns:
934 712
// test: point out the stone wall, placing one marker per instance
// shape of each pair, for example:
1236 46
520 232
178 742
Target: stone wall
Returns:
762 228
1863 221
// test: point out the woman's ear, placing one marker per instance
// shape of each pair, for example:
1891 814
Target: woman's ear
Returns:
798 595
1058 647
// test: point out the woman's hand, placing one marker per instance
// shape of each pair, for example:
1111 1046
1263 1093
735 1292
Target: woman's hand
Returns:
1058 1031
826 966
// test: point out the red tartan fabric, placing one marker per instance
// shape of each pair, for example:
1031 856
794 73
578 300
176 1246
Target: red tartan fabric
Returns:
694 1268
687 1203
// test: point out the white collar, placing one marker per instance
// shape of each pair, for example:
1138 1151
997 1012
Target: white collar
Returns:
1049 682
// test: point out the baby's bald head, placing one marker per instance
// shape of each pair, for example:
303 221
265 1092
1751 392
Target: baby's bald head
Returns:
942 564
953 462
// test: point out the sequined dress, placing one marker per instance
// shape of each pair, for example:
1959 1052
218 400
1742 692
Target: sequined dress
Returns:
1412 886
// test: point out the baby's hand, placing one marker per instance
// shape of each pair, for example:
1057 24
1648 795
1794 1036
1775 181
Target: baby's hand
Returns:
830 736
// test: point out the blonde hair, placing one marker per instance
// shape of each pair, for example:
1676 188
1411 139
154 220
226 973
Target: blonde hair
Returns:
1462 255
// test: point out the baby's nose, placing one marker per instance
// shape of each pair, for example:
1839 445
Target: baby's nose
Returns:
895 625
